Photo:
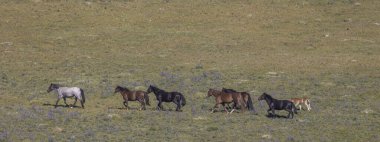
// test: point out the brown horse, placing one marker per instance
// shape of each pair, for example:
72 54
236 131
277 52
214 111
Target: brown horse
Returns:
223 98
128 95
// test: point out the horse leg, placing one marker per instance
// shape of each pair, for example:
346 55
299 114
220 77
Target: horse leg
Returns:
175 101
226 107
269 111
142 102
215 107
159 105
234 107
300 106
64 100
290 113
81 103
126 104
75 101
232 111
308 106
178 106
56 103
274 114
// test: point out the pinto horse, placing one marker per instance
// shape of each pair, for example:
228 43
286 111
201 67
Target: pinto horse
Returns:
163 96
300 101
275 104
67 92
129 95
246 96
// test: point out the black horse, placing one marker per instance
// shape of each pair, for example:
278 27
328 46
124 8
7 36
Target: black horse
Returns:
247 99
275 104
163 96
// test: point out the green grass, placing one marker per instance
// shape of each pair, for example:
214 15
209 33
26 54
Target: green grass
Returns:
325 50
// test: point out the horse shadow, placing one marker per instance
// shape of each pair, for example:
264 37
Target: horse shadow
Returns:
138 109
123 108
275 116
69 106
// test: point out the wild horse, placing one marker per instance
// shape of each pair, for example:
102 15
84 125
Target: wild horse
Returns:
300 101
223 98
67 92
164 96
275 104
128 95
246 96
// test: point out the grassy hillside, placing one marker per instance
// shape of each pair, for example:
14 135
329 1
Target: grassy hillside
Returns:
327 50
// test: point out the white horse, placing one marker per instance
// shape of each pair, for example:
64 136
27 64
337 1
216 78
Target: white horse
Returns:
67 92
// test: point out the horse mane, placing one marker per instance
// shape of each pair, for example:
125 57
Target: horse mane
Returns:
123 88
269 96
156 88
214 90
226 89
56 85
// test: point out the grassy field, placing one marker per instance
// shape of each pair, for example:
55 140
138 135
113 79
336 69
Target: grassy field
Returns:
327 50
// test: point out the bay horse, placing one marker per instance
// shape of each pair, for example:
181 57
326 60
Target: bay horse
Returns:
300 101
129 95
246 96
275 104
67 92
223 98
164 96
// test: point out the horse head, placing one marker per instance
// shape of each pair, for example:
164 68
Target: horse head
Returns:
118 89
210 92
52 87
150 89
264 96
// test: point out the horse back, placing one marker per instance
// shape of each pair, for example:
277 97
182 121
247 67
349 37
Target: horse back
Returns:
69 92
298 100
281 104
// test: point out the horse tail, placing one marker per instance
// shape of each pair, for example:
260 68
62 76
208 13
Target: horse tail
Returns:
146 96
82 95
250 104
183 102
294 109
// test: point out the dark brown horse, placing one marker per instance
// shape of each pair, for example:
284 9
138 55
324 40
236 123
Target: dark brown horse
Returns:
246 97
223 98
128 95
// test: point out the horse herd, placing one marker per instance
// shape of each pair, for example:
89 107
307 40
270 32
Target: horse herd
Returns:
225 97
